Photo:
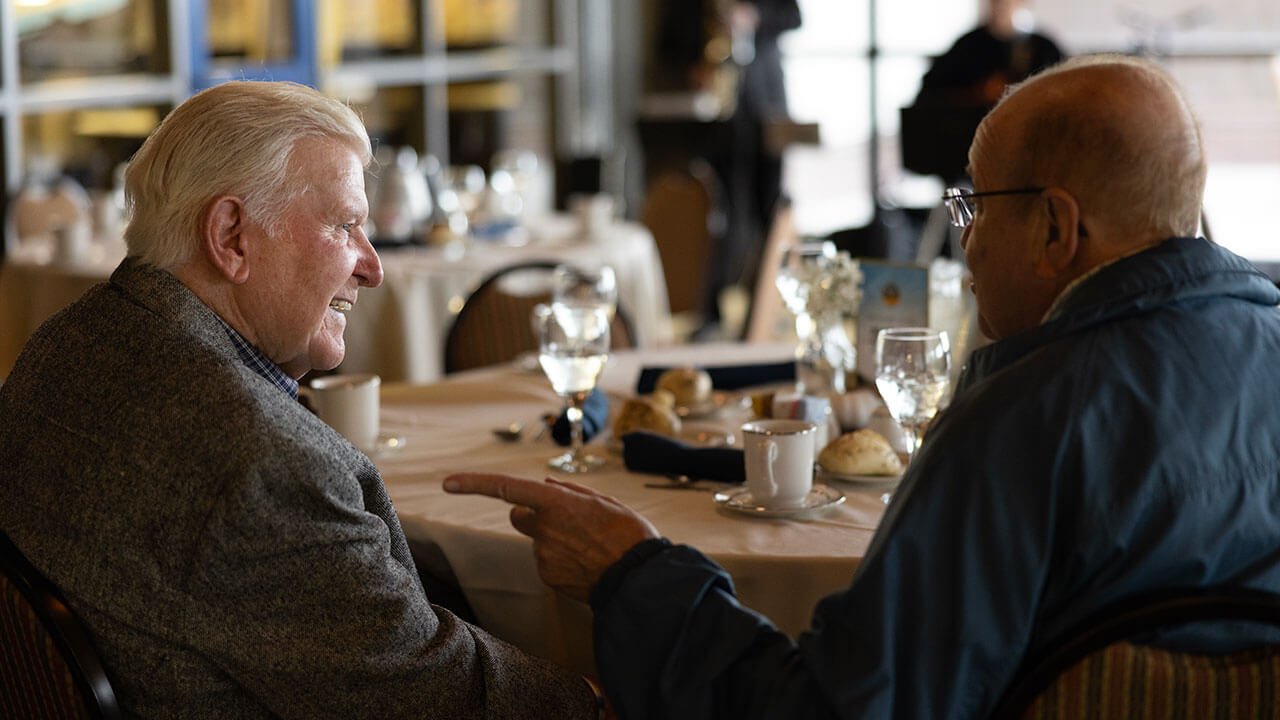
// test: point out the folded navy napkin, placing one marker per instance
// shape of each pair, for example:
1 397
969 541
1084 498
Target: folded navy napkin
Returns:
728 377
595 413
648 452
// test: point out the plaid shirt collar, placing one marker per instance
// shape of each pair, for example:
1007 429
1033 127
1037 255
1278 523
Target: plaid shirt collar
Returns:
259 363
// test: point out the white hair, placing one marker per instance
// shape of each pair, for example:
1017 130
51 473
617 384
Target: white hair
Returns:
237 139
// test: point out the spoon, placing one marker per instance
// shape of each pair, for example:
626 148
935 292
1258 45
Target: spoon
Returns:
677 482
509 433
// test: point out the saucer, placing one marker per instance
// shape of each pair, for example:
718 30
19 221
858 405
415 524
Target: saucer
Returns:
385 445
877 480
740 500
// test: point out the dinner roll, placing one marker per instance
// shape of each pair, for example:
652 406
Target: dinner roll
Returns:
664 398
690 385
645 413
861 452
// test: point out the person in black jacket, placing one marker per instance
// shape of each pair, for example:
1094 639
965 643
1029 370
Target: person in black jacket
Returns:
978 67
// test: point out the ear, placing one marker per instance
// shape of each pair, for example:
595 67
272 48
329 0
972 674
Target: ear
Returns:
1062 242
223 237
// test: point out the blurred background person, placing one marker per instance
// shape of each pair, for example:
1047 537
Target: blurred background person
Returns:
1004 49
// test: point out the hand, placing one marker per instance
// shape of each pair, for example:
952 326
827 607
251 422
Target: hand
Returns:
577 533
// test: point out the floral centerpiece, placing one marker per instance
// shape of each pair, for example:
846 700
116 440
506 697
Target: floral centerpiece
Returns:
822 287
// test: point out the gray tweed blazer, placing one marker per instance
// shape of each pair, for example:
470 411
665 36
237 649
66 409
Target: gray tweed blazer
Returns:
231 554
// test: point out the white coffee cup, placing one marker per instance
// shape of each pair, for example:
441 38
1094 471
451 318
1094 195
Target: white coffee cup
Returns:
349 404
779 458
595 214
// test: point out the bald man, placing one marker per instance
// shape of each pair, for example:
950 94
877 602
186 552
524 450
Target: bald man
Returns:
1120 437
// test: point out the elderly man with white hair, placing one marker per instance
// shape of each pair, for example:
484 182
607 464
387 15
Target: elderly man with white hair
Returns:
1120 437
232 555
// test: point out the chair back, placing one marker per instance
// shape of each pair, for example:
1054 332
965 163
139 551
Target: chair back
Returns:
1096 672
495 324
678 209
48 667
766 304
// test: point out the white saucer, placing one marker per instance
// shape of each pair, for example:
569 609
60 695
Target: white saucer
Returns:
740 500
877 480
385 445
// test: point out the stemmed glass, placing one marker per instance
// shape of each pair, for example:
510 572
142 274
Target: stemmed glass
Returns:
913 372
573 345
585 289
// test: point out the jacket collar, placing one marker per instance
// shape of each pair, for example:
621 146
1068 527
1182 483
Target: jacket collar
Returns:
1177 269
162 293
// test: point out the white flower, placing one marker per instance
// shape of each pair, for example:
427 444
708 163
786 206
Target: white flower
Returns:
834 287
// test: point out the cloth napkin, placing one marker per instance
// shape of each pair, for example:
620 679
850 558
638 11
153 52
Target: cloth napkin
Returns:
595 414
728 377
648 452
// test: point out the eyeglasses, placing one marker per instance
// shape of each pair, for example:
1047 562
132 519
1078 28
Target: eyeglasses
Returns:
959 202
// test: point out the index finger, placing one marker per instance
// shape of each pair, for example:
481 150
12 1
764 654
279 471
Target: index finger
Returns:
517 491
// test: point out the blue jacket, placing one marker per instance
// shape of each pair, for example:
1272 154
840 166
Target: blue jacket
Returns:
1128 444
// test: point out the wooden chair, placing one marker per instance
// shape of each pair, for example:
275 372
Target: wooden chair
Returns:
48 667
495 323
1097 672
678 210
766 305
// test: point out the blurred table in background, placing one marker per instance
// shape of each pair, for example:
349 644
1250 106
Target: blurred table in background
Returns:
33 287
398 330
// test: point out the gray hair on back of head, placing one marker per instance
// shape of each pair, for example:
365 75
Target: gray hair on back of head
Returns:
1121 132
237 139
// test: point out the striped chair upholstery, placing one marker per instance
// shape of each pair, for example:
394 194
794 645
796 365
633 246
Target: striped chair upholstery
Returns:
48 668
1097 672
495 324
1124 680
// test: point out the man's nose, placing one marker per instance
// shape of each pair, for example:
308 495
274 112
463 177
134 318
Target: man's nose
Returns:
368 266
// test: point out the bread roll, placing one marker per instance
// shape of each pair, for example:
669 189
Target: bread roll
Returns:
861 452
645 413
690 385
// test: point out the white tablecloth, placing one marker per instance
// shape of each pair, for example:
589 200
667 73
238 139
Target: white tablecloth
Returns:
398 330
780 567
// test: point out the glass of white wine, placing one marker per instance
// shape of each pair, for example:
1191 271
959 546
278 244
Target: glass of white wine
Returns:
913 373
573 345
585 289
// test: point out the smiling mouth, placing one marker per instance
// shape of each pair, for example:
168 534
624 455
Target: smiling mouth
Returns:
340 305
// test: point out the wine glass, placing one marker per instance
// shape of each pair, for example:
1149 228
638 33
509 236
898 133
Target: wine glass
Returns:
585 289
913 373
573 345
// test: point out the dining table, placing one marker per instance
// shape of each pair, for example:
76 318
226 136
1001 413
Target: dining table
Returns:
781 566
397 330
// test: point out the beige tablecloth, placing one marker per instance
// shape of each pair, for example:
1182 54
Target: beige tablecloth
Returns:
780 567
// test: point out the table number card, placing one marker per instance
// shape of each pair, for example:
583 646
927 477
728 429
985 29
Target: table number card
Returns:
893 295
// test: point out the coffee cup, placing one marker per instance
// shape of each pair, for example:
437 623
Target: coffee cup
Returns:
595 214
779 458
349 404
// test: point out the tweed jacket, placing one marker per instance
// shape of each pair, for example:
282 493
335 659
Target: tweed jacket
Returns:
231 554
